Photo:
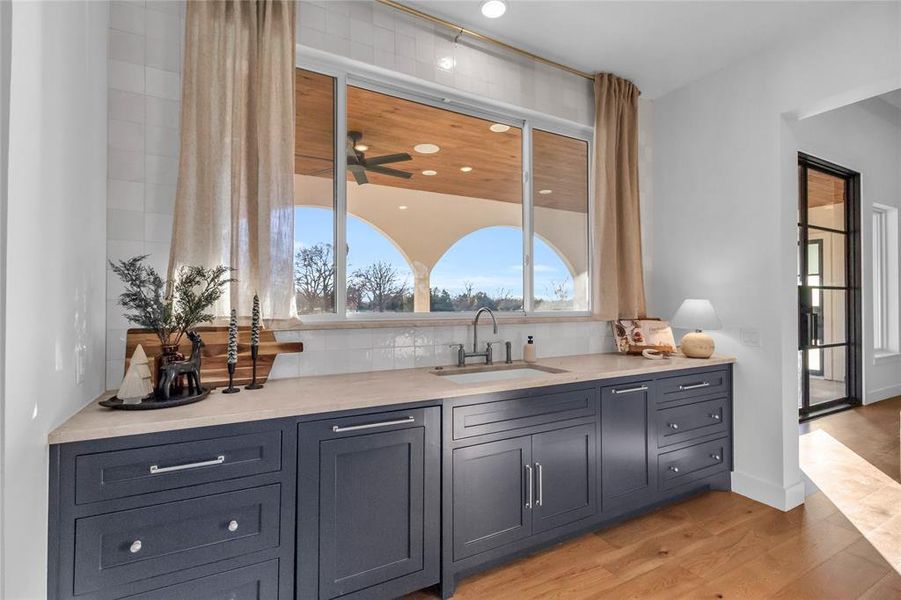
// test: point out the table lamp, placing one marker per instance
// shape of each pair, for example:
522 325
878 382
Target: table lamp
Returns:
696 314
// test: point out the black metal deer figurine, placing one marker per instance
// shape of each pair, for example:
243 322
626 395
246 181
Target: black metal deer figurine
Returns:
190 368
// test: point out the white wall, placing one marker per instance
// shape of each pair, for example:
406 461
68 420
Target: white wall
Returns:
145 63
864 137
55 302
725 188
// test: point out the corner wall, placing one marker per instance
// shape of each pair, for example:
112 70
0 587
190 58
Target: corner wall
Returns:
55 304
725 216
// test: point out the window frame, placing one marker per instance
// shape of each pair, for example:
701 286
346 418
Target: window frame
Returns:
347 72
885 331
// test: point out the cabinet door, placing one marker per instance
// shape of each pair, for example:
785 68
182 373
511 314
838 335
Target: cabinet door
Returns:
565 463
492 496
627 477
371 510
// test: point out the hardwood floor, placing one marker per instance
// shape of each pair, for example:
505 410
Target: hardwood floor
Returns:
720 545
870 431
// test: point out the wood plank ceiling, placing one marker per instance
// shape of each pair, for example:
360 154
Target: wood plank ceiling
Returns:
390 125
824 189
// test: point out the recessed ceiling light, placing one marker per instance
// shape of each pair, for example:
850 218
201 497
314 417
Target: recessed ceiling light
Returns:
466 169
426 148
494 8
429 172
544 192
447 63
361 147
402 207
499 127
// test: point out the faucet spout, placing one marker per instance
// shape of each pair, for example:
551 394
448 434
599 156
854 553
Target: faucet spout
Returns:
475 326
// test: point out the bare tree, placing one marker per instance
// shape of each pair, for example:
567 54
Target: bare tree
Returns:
379 285
560 290
314 278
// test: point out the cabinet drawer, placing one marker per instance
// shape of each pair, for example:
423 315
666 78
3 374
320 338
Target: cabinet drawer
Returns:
121 473
126 546
505 415
693 385
691 421
256 582
695 462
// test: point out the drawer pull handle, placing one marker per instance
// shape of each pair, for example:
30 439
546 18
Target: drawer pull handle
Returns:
339 429
673 426
674 469
529 485
694 386
156 469
135 547
640 388
716 457
714 416
540 484
233 525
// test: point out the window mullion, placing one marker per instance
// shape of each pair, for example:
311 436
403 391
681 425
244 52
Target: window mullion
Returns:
340 196
528 279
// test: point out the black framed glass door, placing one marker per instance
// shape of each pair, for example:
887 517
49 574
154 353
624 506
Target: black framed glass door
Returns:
828 286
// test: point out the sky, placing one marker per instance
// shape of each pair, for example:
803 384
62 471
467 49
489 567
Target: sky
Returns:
489 258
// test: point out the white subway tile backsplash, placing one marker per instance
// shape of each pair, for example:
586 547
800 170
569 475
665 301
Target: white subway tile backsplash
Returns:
161 169
424 356
124 225
361 32
115 371
382 359
404 357
125 135
126 47
163 26
126 16
162 54
159 198
125 165
125 195
158 228
337 25
117 250
312 16
162 84
126 106
405 45
361 52
383 39
125 76
161 141
161 112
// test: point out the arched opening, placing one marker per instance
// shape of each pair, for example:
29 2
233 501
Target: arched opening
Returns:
553 279
384 284
314 259
494 255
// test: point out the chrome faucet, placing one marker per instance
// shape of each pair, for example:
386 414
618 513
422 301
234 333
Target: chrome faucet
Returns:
462 354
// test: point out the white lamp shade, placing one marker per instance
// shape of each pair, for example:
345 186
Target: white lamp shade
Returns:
696 313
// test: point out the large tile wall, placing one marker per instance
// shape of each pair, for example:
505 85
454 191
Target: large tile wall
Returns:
145 40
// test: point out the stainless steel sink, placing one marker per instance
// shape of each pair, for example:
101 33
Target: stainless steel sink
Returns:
486 374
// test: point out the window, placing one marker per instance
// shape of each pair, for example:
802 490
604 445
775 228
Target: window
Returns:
436 211
885 279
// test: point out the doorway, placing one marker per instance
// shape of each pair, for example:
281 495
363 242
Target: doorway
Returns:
829 315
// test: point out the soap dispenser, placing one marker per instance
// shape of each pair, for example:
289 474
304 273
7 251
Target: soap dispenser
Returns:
528 351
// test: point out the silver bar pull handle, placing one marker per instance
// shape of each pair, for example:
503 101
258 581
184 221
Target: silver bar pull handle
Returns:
694 386
339 429
540 484
529 486
640 388
156 469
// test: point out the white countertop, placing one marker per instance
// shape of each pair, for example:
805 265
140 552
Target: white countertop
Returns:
329 393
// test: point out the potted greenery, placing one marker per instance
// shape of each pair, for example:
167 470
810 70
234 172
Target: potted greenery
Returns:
171 308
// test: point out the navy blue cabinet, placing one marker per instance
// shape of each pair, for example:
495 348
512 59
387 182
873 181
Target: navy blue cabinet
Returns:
627 472
368 501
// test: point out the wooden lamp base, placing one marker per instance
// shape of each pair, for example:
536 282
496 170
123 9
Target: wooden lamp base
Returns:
697 344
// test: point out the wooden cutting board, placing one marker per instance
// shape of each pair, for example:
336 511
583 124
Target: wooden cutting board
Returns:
213 368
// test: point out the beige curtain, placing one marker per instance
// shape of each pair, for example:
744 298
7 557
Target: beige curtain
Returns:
235 197
617 279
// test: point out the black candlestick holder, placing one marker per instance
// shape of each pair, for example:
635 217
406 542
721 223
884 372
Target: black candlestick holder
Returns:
253 385
231 389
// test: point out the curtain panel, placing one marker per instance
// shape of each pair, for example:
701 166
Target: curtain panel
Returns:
617 279
235 197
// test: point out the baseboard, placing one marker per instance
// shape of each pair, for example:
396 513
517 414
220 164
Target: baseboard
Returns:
883 393
763 491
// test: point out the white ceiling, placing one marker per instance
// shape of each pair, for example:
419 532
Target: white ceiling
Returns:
660 45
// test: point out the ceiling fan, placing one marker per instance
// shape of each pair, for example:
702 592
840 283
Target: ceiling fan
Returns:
358 164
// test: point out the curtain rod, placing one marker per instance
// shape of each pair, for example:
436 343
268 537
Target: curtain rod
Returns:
474 34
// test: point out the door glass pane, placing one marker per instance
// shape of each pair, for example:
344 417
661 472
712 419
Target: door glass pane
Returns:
828 307
825 200
314 193
434 208
830 383
827 251
560 244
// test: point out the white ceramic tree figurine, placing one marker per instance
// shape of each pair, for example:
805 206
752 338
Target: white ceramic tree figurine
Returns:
137 384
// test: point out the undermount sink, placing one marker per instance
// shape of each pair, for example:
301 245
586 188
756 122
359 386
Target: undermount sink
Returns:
495 373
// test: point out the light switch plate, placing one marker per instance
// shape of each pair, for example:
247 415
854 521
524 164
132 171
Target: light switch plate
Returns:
750 338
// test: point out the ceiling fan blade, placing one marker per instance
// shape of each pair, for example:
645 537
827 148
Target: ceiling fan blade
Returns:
387 171
388 158
359 174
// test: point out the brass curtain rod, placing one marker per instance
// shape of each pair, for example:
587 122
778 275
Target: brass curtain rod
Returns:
474 34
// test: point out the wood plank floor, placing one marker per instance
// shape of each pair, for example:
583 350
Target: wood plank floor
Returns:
719 545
